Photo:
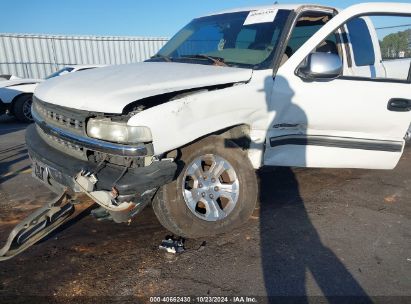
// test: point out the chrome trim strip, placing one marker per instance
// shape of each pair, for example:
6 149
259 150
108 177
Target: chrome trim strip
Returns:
90 143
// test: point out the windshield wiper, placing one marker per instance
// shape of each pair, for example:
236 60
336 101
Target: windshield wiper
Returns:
216 60
166 58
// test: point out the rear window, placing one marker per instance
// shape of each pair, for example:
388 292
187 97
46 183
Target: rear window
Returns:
361 42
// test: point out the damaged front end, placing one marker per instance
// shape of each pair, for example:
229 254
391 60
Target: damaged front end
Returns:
121 177
37 225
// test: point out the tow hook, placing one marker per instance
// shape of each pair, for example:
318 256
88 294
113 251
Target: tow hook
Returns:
37 225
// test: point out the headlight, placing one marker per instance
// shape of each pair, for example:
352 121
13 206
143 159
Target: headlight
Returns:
119 132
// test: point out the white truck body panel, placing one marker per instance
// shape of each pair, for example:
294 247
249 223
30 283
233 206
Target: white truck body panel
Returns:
184 119
316 109
101 90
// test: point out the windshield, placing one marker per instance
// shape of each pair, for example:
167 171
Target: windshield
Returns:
63 71
242 39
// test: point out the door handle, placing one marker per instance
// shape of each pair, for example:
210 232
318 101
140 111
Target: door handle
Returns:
399 105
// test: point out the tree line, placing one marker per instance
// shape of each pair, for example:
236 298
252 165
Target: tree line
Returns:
396 45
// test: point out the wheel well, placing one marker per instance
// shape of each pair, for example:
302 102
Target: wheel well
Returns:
15 99
239 134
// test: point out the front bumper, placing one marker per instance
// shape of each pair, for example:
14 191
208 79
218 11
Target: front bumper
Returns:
63 169
84 141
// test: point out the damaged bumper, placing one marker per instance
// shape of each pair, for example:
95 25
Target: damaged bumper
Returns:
60 170
72 179
37 225
82 170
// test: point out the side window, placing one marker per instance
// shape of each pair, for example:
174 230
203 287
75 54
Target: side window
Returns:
361 42
381 50
307 25
394 35
382 45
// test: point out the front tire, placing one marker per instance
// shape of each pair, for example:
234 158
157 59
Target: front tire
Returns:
22 108
216 191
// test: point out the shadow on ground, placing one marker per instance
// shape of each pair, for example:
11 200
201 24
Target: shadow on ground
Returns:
291 246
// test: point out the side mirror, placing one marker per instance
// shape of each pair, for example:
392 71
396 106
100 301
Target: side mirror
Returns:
321 66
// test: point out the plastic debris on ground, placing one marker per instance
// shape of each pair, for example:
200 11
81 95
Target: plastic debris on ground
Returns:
172 244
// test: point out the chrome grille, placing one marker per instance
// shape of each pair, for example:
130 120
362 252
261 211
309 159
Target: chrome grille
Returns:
58 118
63 145
62 118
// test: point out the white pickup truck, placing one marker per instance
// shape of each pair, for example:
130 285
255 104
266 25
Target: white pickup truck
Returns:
282 85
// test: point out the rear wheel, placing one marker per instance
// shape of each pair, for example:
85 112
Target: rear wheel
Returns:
216 191
22 108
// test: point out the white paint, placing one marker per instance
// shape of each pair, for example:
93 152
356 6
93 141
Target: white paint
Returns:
261 16
9 89
18 81
178 122
112 88
341 108
328 157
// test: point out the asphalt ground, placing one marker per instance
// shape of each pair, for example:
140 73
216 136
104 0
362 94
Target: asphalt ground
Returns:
318 235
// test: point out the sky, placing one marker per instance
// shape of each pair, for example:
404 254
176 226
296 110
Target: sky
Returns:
161 18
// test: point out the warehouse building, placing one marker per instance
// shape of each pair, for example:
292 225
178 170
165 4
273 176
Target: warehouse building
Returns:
36 56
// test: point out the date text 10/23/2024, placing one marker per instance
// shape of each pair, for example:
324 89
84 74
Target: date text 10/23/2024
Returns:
239 299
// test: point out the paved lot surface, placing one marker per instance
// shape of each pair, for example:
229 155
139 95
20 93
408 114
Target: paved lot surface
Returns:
315 233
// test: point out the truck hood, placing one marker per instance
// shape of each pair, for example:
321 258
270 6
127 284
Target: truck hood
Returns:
110 89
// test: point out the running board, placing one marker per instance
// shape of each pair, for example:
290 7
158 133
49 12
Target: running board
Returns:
37 225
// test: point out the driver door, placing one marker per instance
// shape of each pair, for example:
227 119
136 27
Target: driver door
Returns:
339 121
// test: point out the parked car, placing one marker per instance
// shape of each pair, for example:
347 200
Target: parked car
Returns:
15 96
16 93
282 85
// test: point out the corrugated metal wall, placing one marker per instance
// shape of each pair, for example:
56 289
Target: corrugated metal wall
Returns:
36 56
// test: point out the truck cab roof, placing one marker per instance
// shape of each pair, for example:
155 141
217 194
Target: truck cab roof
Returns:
262 7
